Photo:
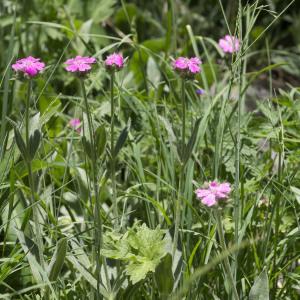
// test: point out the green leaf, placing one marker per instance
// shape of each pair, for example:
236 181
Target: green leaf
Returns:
102 10
260 288
87 147
121 140
296 192
30 248
58 259
190 146
140 248
138 271
34 143
164 275
21 144
100 139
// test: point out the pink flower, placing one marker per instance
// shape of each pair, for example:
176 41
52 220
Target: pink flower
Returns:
114 61
181 63
194 65
215 191
187 67
80 64
29 66
229 44
75 124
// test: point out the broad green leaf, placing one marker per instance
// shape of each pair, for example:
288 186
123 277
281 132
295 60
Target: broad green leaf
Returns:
21 144
100 139
260 288
140 248
164 275
138 271
34 142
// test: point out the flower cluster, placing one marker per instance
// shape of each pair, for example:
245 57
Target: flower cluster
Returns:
229 44
29 66
79 65
187 67
213 192
82 65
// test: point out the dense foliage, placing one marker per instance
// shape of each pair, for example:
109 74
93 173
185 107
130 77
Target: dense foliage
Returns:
112 214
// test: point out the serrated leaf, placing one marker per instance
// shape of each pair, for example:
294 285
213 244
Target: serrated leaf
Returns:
57 259
100 139
34 143
21 144
138 271
164 275
140 248
260 288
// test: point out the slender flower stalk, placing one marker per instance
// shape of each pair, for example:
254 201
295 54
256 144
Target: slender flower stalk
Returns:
214 195
113 63
187 68
112 147
39 239
98 232
27 68
81 66
181 175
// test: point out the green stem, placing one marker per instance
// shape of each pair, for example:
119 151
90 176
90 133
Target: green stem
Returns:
183 114
181 175
39 239
112 147
226 260
35 212
98 232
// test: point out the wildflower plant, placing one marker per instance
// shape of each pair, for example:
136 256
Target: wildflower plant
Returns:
113 63
187 68
85 214
81 66
28 68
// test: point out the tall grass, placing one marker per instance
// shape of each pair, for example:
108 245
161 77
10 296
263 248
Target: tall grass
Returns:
114 209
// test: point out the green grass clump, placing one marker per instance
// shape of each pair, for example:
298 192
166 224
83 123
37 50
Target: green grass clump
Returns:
108 210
